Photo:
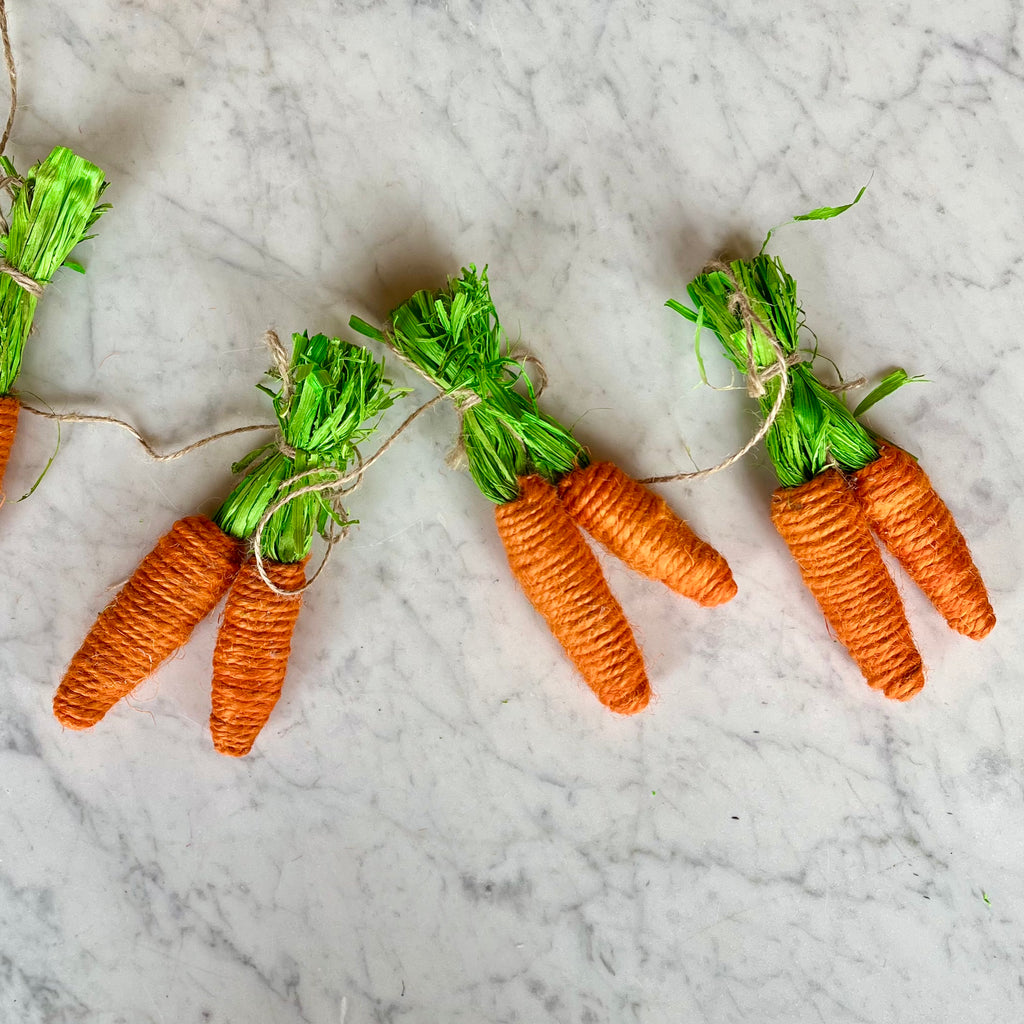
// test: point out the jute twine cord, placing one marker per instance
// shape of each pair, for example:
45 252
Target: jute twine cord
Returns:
12 75
916 526
830 538
563 580
639 528
78 417
176 586
29 284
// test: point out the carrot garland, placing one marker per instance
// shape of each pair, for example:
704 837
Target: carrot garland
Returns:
330 399
52 209
839 481
545 488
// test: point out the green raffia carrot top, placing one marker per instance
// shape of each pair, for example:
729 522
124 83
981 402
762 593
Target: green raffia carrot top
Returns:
454 338
814 427
52 209
337 393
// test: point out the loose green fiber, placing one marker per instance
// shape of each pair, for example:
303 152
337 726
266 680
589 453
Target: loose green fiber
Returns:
53 208
814 428
339 392
453 336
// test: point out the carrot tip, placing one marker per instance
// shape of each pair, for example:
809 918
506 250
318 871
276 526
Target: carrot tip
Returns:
976 627
70 720
229 749
632 703
906 689
721 594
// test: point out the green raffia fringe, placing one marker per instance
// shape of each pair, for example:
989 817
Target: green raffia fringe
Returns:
53 208
453 336
814 428
339 394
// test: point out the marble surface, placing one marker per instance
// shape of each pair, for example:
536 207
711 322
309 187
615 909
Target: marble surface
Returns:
440 822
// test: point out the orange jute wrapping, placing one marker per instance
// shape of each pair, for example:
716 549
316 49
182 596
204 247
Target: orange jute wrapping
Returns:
9 408
563 580
638 527
172 590
822 523
251 656
913 522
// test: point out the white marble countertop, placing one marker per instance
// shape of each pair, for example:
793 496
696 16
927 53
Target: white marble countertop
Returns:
440 824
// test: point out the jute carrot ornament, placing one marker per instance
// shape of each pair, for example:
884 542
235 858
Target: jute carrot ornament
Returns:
52 208
545 488
839 481
255 549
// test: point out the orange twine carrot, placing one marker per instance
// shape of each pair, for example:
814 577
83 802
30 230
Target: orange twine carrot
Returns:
174 587
915 525
638 527
251 656
825 529
9 406
563 580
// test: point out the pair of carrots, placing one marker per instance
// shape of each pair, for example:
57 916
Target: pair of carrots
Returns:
841 484
546 491
52 209
330 400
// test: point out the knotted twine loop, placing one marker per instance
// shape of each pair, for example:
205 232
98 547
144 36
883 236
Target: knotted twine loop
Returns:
740 305
22 280
332 482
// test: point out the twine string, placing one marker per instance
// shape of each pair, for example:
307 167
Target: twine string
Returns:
8 181
12 75
78 417
333 482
